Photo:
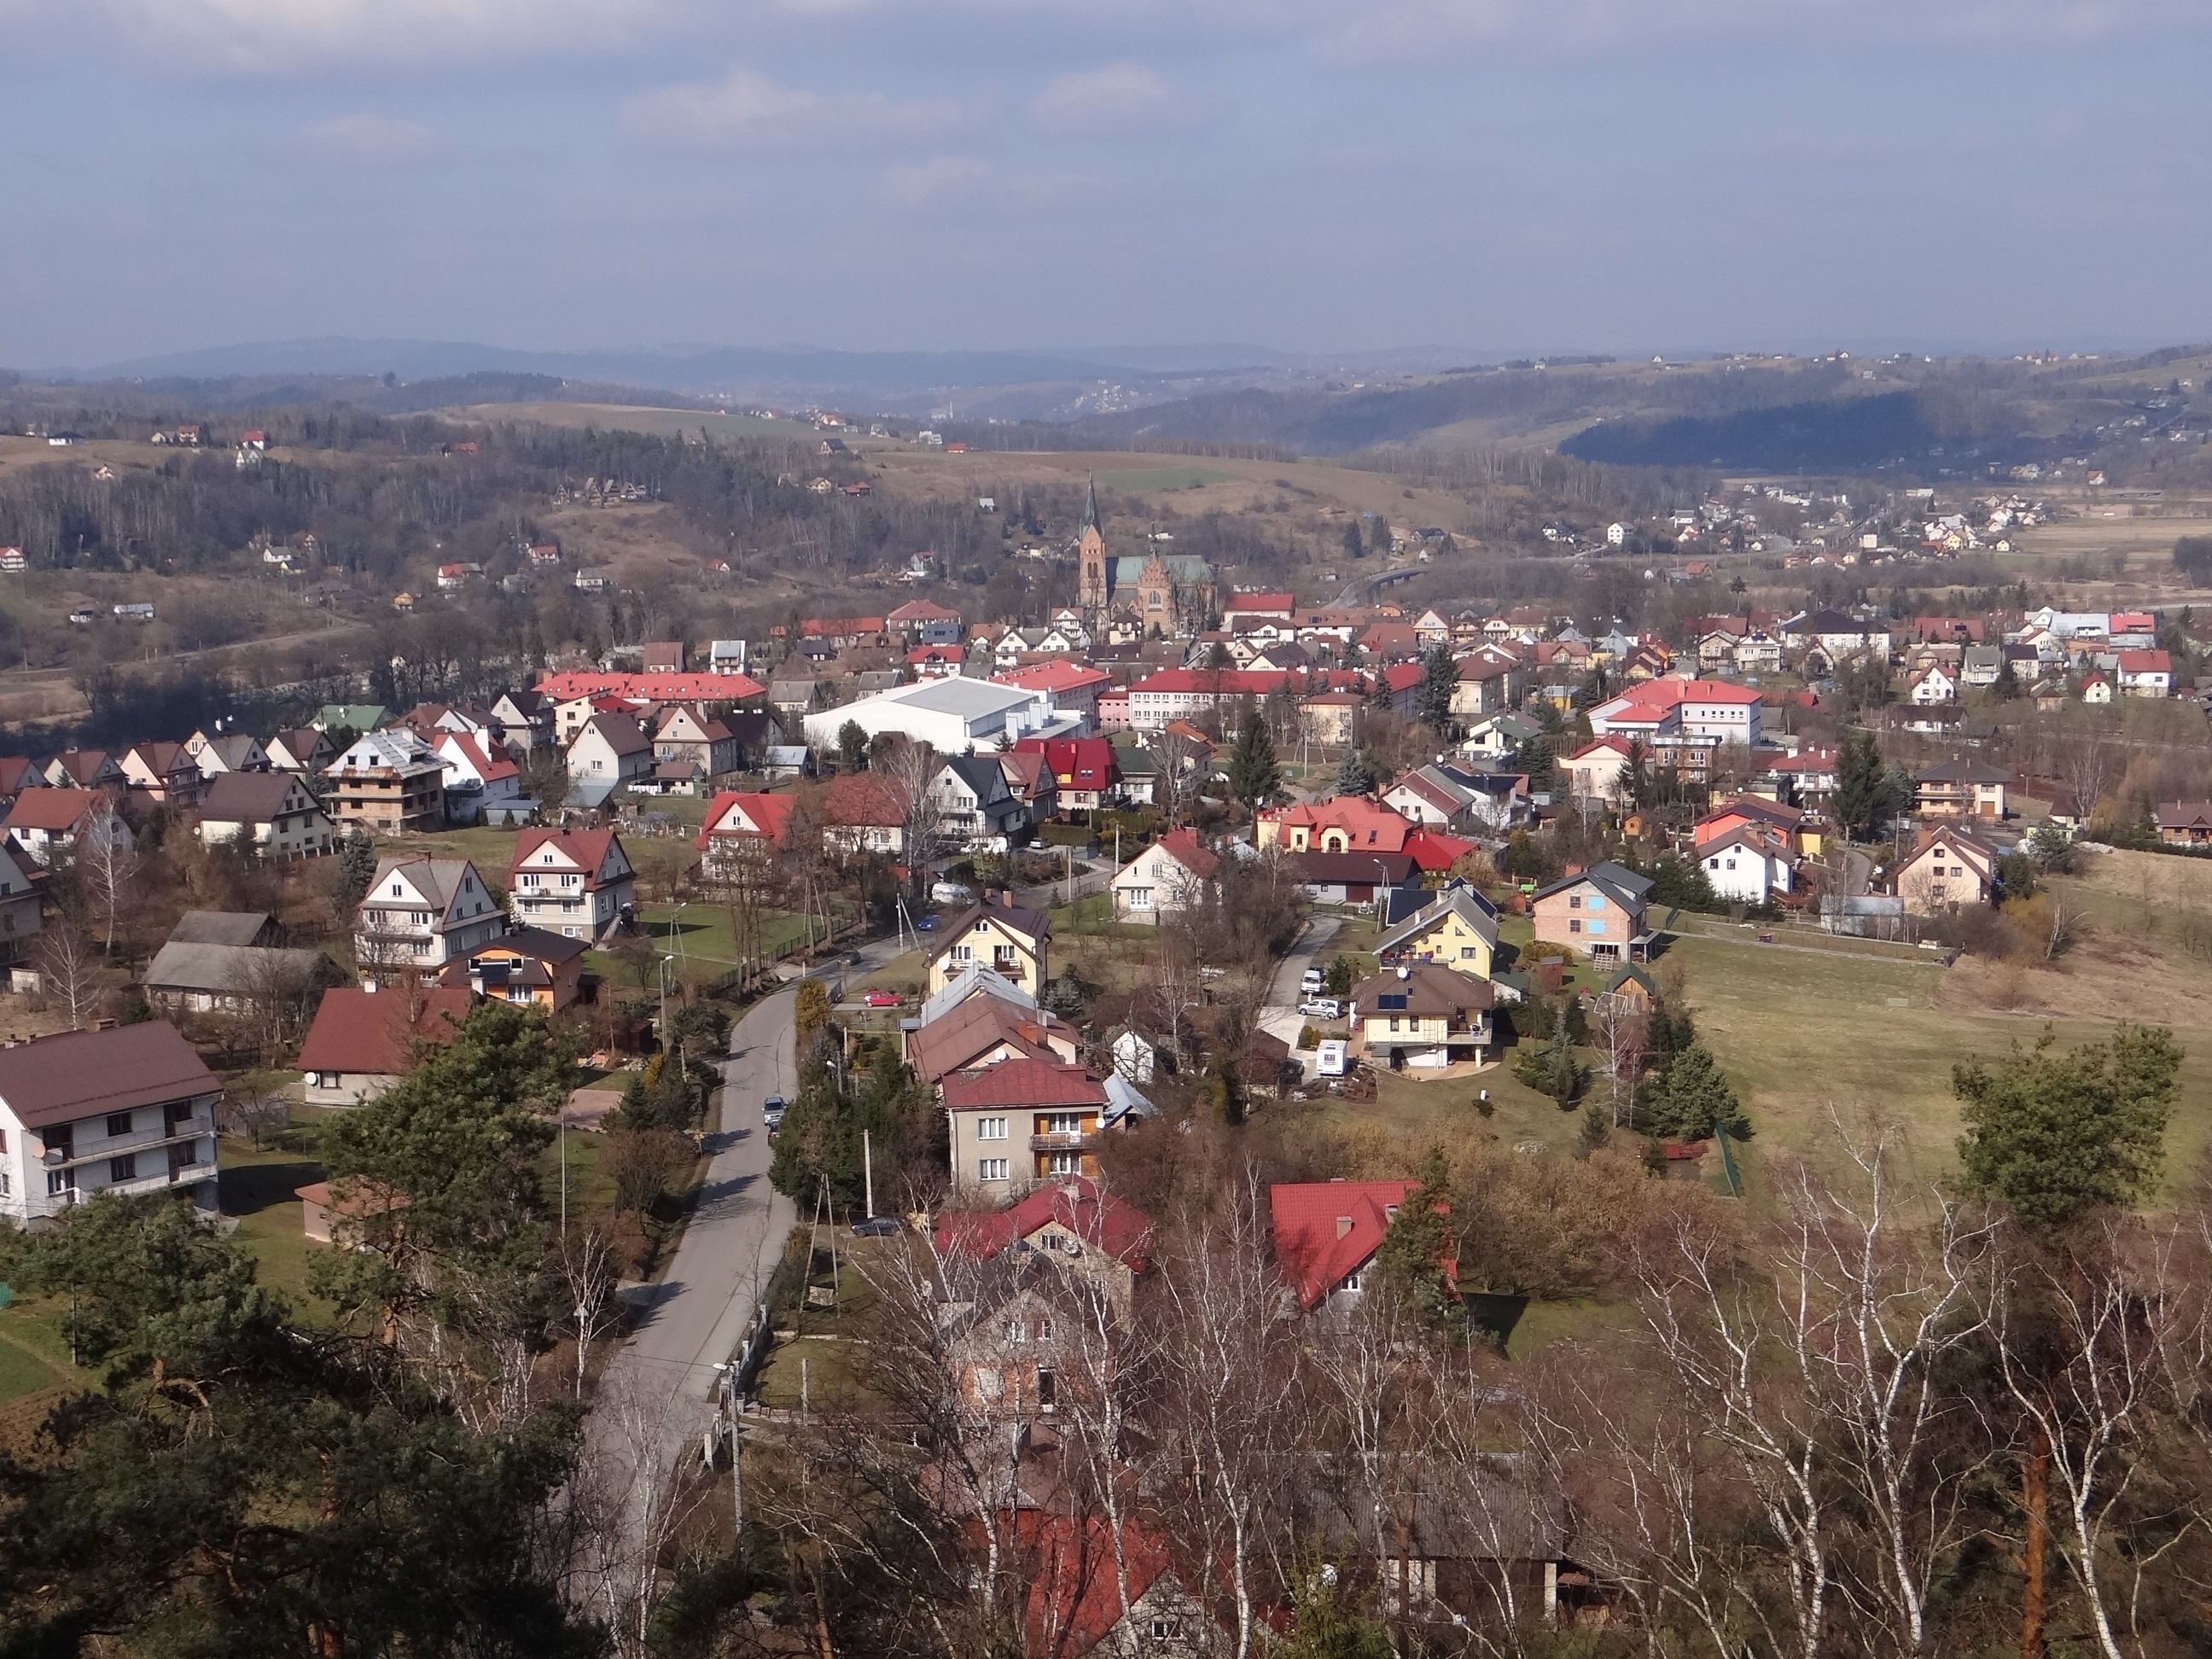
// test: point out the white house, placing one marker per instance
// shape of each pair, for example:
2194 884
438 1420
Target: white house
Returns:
1166 878
275 813
1746 867
57 826
479 774
128 1110
2146 673
1932 685
421 913
578 884
609 751
973 801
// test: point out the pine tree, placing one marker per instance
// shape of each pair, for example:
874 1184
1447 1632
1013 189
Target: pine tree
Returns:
1439 679
1354 774
1860 791
1693 1099
356 866
1255 778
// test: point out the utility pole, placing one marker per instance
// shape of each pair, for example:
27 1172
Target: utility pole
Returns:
868 1173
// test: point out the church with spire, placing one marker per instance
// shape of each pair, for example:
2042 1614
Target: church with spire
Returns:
1170 594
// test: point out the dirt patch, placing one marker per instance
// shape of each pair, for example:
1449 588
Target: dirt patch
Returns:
2108 976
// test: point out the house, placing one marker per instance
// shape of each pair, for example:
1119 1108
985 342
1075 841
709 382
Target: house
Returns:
238 928
1332 719
217 752
164 772
1421 1014
1459 928
388 781
609 751
1600 769
920 623
974 802
54 827
529 966
1327 1233
364 1040
1351 878
525 719
2185 823
1086 772
1167 878
22 914
421 913
350 718
1599 911
482 779
981 1030
1948 867
83 769
1664 708
1961 788
1749 864
664 657
129 1109
1011 939
1343 823
1932 684
1981 665
2146 674
1497 738
17 773
185 977
1073 1220
865 813
1031 783
688 732
1793 829
301 748
1020 1122
274 813
1810 772
738 822
576 883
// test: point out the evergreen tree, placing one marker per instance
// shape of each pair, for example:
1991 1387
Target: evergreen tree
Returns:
1255 778
1439 679
1354 547
1534 757
1860 792
2054 1136
851 745
1354 774
357 864
1411 1258
1692 1099
1551 1070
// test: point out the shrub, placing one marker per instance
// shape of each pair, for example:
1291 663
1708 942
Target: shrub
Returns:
1309 1037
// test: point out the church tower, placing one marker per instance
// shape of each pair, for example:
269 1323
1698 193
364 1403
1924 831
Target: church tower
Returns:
1090 555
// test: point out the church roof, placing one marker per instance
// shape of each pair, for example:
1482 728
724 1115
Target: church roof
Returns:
1188 568
1090 506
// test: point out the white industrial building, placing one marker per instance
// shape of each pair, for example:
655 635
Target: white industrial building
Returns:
951 715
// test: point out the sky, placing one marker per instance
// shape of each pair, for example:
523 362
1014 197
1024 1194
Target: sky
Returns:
1501 175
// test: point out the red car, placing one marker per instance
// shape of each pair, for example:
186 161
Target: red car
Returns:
883 1000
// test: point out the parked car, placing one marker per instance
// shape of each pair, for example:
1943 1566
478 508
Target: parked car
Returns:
772 1112
923 924
950 892
883 1000
1310 981
1321 1008
877 1226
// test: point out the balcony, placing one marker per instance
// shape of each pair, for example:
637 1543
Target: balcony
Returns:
1064 1140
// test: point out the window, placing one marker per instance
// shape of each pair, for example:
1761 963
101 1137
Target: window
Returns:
119 1123
1064 1164
1574 901
1167 1630
1047 1389
176 1113
990 1128
1140 898
1044 1330
1597 927
1575 926
60 1182
991 1169
1350 1282
1467 953
1598 902
125 1168
398 891
1017 1330
1061 1123
962 953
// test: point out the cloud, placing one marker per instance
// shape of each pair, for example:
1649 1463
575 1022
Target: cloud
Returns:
265 36
1113 98
367 136
938 179
748 108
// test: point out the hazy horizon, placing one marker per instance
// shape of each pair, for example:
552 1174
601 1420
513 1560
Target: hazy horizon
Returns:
1678 177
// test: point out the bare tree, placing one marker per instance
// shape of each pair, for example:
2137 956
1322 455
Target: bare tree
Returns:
1618 1025
108 863
908 769
1174 775
70 965
2091 765
279 991
590 1271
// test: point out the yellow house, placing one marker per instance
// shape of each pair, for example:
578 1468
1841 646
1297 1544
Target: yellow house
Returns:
1459 929
1010 939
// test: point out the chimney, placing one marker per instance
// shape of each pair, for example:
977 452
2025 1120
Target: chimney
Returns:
368 988
1343 1225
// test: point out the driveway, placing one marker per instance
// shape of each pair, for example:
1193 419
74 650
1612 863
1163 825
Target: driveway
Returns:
1281 1017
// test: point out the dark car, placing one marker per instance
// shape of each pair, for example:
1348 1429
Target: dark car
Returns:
923 924
877 1226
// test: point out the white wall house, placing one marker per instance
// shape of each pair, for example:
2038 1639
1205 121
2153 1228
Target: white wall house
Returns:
129 1109
1743 867
578 884
421 913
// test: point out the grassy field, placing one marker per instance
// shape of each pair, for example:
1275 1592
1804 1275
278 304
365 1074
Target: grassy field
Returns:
625 417
260 1188
1164 477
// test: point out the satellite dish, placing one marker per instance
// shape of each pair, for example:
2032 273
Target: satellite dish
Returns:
1405 972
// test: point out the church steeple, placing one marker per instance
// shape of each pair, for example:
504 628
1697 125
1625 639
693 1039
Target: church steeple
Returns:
1089 505
1090 555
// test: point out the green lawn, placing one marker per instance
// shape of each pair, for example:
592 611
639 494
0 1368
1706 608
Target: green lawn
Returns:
1165 477
258 1189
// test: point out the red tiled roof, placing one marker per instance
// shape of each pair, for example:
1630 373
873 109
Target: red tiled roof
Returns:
1076 763
1432 849
587 849
1325 1230
1058 676
1227 682
956 1039
1184 847
1075 1202
81 1074
859 799
1022 1083
571 684
771 812
2145 662
364 1031
51 810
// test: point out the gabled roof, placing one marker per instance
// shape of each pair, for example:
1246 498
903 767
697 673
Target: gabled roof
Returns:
1088 764
1422 987
1963 771
480 757
536 944
1617 883
225 969
81 1074
1459 900
1033 925
1431 850
363 1031
588 850
622 732
770 815
1325 1230
2185 814
1184 847
54 811
248 797
1079 1206
439 880
1021 1084
955 1040
222 927
975 979
864 800
1354 869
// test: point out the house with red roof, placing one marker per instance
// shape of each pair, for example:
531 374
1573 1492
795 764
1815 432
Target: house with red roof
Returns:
716 691
481 776
364 1040
1072 687
1667 705
1791 827
864 813
2146 674
1166 878
1073 1220
1343 823
739 821
53 827
1327 1233
1021 1121
1598 770
1186 693
924 622
576 883
1086 773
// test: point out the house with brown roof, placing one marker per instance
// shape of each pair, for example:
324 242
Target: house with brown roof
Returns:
982 1030
1021 1121
2185 823
1011 939
1949 868
609 751
129 1109
364 1040
53 827
577 883
687 732
163 772
273 813
83 769
1961 789
1421 1014
300 749
529 966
